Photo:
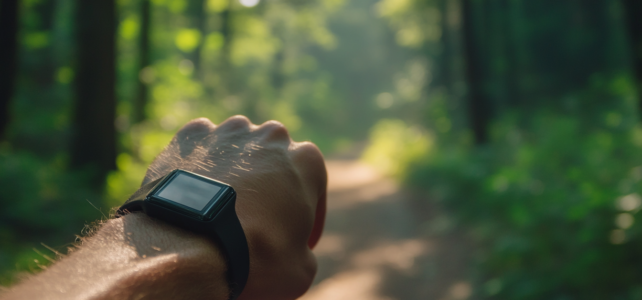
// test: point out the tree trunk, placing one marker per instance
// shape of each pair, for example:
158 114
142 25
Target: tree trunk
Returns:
632 9
509 60
478 103
278 79
444 66
44 73
94 140
224 66
198 15
511 32
277 76
140 102
8 59
226 31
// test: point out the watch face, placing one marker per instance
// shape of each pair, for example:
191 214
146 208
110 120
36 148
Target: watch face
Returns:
189 191
195 195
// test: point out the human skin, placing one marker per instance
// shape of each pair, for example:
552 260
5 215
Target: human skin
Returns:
281 196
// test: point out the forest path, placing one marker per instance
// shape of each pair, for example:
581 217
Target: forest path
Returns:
380 244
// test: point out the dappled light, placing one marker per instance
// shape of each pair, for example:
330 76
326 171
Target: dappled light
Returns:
475 149
372 237
350 174
359 183
358 285
399 255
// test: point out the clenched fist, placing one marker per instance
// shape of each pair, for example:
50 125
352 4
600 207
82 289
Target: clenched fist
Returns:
281 194
281 186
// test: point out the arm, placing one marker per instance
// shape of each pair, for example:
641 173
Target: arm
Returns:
130 257
281 188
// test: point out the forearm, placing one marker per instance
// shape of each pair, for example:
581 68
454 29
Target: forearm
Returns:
133 257
281 186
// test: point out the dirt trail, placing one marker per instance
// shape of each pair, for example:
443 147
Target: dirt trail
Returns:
379 244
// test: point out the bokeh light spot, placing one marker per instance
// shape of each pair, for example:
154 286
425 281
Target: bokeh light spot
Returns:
214 41
384 100
188 39
217 6
65 75
129 28
249 3
629 202
624 220
147 75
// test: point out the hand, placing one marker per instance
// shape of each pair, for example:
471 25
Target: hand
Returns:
281 195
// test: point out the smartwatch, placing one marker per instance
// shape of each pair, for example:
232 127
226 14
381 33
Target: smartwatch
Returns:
200 204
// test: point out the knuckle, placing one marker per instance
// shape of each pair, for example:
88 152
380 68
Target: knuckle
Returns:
275 130
309 156
309 150
236 122
200 125
195 130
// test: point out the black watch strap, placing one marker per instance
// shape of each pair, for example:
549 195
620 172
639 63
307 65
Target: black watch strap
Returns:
226 229
135 201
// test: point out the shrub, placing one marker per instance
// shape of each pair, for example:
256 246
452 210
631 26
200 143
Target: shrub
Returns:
552 208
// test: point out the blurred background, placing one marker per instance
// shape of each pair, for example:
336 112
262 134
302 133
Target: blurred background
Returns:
477 149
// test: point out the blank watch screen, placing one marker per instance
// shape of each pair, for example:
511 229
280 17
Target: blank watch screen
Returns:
189 191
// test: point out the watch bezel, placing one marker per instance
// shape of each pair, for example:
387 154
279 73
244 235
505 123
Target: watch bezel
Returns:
208 212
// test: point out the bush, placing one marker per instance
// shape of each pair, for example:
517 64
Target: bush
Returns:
552 209
41 202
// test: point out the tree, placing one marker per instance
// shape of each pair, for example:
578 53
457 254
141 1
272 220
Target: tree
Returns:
8 58
140 102
46 66
478 103
509 72
198 17
632 9
444 61
94 139
226 31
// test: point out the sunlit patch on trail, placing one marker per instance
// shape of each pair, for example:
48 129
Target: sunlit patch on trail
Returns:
351 285
399 255
349 174
330 245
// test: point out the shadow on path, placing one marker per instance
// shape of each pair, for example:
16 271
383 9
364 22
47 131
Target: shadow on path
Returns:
379 243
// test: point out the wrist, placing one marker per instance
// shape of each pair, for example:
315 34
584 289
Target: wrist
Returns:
162 261
133 257
201 205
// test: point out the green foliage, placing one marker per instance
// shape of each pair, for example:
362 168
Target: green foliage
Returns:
393 145
188 39
552 201
41 200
